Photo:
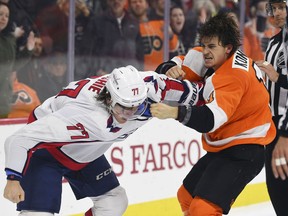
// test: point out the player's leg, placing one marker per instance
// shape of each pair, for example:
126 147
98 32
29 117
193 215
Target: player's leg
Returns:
112 203
34 213
184 199
225 177
190 182
277 188
42 184
98 181
200 207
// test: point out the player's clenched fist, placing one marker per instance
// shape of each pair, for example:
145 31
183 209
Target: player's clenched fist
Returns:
163 111
14 192
175 72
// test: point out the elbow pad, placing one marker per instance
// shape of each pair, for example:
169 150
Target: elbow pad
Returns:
164 67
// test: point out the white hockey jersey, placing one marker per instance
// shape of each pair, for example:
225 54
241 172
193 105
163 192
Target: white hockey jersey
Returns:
77 129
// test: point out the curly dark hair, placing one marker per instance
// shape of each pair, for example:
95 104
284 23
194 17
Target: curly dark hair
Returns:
104 97
223 27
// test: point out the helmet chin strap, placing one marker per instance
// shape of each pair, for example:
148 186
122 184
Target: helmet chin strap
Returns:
109 106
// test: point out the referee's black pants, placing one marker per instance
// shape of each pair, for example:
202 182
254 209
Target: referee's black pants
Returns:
277 188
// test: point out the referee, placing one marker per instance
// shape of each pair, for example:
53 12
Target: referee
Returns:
275 68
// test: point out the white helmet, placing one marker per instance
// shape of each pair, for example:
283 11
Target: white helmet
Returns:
126 87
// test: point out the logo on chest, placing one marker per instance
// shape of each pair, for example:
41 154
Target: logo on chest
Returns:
281 60
110 125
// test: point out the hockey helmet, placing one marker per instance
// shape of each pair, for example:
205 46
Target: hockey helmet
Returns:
127 89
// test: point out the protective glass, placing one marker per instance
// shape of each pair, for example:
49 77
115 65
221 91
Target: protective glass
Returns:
129 112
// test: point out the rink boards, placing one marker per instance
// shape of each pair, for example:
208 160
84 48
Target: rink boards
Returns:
150 165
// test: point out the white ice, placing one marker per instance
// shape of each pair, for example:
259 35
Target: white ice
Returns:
261 209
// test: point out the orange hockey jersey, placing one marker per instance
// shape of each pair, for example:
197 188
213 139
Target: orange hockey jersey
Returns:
192 64
236 95
152 33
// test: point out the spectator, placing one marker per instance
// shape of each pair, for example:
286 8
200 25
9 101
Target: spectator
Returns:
30 73
201 11
177 21
178 3
152 35
83 15
8 56
157 10
187 5
218 4
98 6
24 99
52 22
184 29
82 18
204 10
22 18
53 76
113 40
254 30
40 5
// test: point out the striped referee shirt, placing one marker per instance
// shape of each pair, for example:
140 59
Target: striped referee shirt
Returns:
276 54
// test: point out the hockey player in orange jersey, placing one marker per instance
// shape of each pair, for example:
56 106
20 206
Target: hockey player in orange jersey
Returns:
235 120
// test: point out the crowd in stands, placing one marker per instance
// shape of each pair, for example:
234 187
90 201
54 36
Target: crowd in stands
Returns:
108 34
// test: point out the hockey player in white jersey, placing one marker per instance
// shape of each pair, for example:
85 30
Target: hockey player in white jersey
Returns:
69 133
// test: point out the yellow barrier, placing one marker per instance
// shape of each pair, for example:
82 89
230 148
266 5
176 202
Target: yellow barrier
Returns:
252 194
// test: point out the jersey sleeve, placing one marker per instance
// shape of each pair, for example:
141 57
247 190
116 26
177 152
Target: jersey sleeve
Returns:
162 88
192 64
39 134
